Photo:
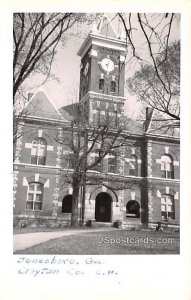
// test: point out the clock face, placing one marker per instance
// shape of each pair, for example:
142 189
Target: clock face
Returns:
107 64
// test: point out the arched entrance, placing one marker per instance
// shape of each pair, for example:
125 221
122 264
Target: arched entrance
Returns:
132 209
103 207
67 204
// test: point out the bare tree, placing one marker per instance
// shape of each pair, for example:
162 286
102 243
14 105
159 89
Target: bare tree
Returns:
36 37
86 146
160 95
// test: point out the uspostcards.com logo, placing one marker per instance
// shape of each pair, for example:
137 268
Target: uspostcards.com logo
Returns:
135 240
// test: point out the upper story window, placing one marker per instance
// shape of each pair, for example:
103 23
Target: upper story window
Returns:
133 166
101 85
97 161
167 207
38 152
34 196
113 86
71 160
112 163
167 169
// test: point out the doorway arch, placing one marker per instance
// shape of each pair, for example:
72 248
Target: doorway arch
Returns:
103 203
132 209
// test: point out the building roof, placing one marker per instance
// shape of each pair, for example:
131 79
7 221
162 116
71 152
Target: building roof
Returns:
41 106
133 126
159 123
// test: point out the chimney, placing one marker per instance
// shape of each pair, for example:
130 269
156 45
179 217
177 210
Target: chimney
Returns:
147 112
30 95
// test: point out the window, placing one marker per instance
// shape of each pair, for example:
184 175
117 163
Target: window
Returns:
113 86
38 152
70 160
98 166
101 84
167 170
167 207
67 204
112 163
34 196
133 167
132 209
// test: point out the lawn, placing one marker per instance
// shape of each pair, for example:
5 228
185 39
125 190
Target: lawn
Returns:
110 242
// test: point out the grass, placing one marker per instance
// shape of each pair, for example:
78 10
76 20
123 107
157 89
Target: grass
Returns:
115 242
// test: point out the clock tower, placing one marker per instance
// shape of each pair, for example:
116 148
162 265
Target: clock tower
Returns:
102 74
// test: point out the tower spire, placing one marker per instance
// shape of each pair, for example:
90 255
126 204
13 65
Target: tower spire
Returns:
104 27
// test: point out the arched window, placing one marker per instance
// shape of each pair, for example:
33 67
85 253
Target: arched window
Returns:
38 152
34 196
101 85
113 86
167 207
167 169
67 204
133 166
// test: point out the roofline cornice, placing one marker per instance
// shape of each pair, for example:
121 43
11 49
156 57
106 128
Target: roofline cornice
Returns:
159 137
100 40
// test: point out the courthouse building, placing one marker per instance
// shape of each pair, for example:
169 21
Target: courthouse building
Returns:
147 169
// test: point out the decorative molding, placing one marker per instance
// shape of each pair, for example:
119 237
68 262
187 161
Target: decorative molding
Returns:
167 150
25 182
46 185
93 52
132 195
37 177
122 58
50 148
40 133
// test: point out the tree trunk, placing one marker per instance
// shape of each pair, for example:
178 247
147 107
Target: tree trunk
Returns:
75 201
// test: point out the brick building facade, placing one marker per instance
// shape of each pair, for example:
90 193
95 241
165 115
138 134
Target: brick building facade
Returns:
42 165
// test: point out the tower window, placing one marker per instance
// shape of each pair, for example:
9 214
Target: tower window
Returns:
113 86
101 84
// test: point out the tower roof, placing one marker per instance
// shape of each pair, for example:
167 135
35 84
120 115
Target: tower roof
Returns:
103 34
104 27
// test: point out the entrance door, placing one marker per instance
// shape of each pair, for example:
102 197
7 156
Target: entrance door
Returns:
103 208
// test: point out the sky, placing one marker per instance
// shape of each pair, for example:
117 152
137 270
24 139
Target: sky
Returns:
66 67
